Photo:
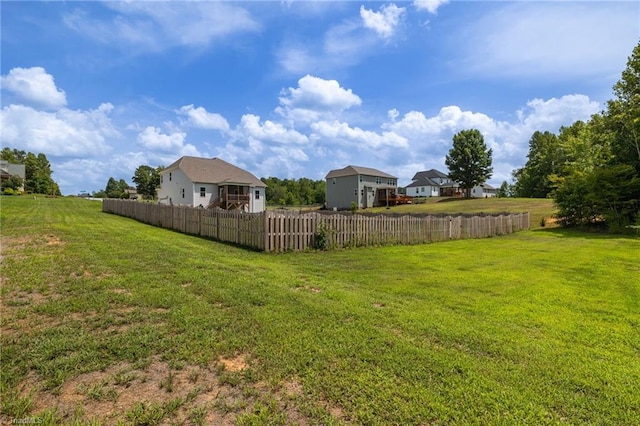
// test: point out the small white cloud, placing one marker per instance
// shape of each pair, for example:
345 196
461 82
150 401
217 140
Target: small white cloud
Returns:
154 140
200 117
430 6
34 85
342 133
384 23
315 98
552 113
251 129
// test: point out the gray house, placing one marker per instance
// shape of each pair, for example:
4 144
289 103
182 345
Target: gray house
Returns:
365 186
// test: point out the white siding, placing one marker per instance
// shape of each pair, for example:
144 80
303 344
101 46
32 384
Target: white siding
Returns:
257 205
211 193
175 188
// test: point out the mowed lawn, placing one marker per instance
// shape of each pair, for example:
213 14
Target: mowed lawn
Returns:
538 208
109 321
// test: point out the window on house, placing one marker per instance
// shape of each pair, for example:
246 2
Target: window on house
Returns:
422 189
161 178
182 192
378 180
355 192
257 195
203 191
334 181
169 176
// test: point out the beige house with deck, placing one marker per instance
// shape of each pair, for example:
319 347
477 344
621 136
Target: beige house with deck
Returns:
209 183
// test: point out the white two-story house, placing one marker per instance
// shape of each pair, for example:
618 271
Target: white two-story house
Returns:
211 182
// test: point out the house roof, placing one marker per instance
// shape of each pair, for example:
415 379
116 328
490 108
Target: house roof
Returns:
430 174
421 181
357 170
214 170
10 169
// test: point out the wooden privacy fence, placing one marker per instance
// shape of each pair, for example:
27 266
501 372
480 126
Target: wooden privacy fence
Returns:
278 231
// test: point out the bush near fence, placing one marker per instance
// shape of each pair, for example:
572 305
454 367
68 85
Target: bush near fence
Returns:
278 231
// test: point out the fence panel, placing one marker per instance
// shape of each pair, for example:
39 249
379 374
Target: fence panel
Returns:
279 231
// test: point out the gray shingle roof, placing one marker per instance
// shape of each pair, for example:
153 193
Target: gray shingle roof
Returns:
214 170
422 181
430 174
357 170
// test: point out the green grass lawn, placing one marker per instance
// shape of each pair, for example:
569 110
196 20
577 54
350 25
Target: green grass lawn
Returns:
109 321
539 208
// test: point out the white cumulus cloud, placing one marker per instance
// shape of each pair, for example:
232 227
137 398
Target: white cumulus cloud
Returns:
61 133
552 113
34 86
385 21
251 129
200 117
430 6
153 139
315 98
342 133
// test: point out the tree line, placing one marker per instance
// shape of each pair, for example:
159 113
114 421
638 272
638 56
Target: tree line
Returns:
38 173
146 179
592 169
294 192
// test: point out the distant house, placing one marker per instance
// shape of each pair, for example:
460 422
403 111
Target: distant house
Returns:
211 182
8 170
132 193
484 191
434 183
364 186
427 184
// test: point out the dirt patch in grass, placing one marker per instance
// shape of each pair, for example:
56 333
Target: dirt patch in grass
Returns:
191 395
236 364
308 288
52 240
120 291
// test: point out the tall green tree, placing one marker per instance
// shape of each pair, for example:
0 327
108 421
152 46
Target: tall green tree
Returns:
13 156
543 160
623 115
505 190
147 179
116 188
600 180
38 175
469 160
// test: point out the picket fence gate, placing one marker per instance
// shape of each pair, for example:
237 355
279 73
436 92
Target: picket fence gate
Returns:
283 230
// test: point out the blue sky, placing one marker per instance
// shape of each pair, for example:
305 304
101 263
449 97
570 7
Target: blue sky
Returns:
294 89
